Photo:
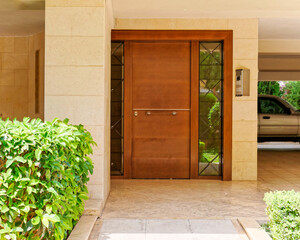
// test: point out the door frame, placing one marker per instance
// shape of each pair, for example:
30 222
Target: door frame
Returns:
183 35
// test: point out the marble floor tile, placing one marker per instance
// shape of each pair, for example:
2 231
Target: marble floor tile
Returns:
213 236
167 226
122 236
169 236
119 226
194 209
204 199
204 226
157 229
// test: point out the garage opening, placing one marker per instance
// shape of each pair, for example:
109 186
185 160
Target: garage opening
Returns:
278 117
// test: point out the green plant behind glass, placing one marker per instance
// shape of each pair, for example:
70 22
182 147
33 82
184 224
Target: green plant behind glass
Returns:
210 112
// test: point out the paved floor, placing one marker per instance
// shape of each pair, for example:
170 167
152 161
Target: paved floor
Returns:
279 170
141 229
193 209
194 199
184 199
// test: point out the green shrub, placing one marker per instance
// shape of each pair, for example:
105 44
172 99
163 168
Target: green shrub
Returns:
201 148
44 169
269 88
292 93
283 209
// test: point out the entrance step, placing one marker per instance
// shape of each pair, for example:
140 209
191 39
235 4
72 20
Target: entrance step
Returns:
93 208
253 229
167 229
83 228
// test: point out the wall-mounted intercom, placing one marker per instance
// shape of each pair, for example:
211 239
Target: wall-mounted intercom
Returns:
242 82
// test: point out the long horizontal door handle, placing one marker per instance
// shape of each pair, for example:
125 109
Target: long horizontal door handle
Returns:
161 109
148 113
266 117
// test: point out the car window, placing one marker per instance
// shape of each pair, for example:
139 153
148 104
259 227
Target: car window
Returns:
271 106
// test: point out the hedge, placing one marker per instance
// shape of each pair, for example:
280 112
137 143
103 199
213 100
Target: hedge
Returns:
44 168
283 210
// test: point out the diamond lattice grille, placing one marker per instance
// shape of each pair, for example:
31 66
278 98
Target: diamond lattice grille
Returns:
210 108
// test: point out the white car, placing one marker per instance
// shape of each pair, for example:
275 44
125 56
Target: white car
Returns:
277 120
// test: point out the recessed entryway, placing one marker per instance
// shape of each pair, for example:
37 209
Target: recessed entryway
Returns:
171 104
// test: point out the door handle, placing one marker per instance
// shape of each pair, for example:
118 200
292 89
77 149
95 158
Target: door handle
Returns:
148 113
266 117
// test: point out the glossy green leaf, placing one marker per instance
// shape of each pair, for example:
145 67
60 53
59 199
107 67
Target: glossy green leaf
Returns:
4 209
48 209
20 159
43 179
36 220
29 190
52 217
9 162
38 153
39 212
45 222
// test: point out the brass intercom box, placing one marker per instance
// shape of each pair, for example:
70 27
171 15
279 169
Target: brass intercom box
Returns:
242 82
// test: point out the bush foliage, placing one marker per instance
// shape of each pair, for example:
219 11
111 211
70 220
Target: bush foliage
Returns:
270 88
283 209
44 169
290 92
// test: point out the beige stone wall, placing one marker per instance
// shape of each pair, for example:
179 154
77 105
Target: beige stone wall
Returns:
77 76
245 55
107 91
18 76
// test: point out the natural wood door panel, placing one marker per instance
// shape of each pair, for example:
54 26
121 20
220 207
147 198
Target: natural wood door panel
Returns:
161 134
160 168
160 109
190 40
161 75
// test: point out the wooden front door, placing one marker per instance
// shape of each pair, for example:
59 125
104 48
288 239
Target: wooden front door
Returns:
160 109
171 104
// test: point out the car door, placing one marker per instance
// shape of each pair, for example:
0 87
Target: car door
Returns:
275 119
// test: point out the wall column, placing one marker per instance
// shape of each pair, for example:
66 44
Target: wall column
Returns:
77 70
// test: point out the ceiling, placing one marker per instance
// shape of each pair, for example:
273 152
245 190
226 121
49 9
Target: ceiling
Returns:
279 28
12 5
21 22
206 8
21 17
268 12
277 19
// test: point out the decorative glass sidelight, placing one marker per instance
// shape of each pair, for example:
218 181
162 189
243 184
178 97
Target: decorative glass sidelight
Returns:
117 101
210 108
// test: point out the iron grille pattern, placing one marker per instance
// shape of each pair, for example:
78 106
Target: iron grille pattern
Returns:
210 108
117 102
